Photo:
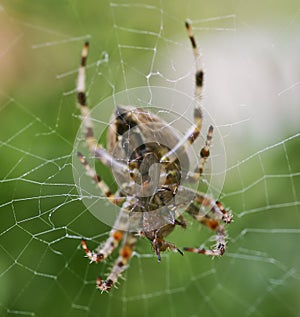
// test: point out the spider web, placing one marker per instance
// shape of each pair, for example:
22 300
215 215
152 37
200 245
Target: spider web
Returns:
250 56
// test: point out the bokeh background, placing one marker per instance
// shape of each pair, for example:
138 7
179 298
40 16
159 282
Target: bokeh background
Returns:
250 55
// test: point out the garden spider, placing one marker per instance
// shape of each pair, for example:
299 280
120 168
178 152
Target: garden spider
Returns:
145 196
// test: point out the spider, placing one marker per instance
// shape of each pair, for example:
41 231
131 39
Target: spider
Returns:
152 197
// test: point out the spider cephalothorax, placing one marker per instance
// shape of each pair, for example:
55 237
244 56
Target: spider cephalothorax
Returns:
150 165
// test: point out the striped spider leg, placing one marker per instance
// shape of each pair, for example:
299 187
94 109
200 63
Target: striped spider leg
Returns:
126 250
115 235
194 131
95 149
210 213
104 250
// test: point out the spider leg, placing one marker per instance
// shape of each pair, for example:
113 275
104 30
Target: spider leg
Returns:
99 182
219 248
204 154
199 75
198 201
115 236
95 149
213 221
120 264
194 131
220 236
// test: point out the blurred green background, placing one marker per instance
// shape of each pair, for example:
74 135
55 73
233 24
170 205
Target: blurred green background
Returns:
250 55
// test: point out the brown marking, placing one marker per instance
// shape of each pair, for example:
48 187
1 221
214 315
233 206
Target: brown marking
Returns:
193 41
89 132
84 54
99 282
197 113
84 246
117 235
199 78
81 97
194 135
204 153
210 223
126 252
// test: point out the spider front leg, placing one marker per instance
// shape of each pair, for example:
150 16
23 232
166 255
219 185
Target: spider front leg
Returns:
115 236
220 245
219 214
120 264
